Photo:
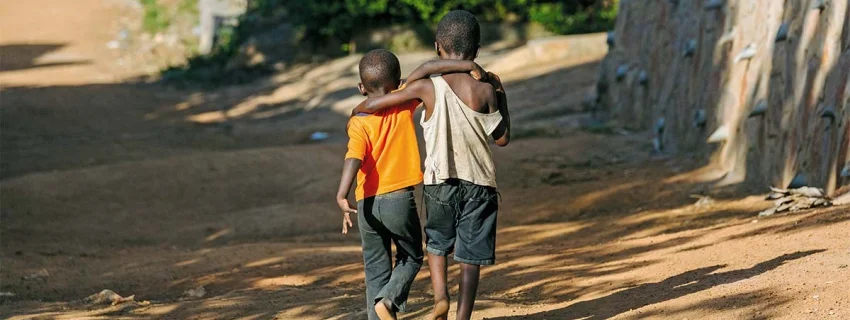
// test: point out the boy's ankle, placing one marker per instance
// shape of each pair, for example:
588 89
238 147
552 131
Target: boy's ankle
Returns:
441 308
385 310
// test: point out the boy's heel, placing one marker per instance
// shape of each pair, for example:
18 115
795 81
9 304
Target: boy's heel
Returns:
384 311
441 310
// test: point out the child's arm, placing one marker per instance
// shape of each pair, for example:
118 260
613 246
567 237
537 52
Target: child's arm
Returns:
447 66
502 134
415 90
349 170
357 149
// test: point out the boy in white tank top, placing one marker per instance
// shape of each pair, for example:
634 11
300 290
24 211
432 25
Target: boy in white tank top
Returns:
461 115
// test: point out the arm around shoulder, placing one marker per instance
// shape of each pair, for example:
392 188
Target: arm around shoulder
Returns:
447 66
413 91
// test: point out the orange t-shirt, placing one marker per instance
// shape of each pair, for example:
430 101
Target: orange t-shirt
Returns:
386 144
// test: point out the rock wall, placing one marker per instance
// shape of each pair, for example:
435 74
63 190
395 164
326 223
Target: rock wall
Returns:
758 87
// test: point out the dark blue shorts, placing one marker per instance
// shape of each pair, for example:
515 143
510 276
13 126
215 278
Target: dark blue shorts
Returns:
461 218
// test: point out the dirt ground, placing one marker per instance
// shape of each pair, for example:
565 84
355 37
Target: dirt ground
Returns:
152 191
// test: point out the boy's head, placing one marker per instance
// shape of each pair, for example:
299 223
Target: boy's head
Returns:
379 72
458 36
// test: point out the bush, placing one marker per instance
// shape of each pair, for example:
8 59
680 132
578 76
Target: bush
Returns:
156 17
337 21
558 18
329 26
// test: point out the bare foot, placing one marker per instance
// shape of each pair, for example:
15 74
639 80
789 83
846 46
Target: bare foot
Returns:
441 310
384 311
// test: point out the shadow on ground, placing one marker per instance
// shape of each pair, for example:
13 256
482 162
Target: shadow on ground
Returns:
153 203
16 57
671 288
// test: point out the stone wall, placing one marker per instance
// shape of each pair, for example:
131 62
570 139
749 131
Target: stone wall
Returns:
758 87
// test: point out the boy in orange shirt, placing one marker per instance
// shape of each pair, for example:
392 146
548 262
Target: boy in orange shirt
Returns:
383 153
461 116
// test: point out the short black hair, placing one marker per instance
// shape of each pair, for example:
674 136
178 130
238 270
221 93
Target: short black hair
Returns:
459 33
379 68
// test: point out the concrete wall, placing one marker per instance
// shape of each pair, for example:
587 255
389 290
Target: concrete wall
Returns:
690 69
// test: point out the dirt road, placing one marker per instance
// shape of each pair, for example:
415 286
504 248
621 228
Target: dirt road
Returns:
146 191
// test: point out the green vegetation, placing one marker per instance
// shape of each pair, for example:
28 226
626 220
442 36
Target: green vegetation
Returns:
553 17
156 17
328 27
326 20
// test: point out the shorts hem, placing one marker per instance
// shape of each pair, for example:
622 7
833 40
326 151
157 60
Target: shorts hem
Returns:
438 252
485 262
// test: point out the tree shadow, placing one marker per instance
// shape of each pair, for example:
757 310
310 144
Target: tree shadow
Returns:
765 302
807 221
16 57
671 288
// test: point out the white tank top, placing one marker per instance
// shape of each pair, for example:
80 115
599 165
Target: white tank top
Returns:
457 140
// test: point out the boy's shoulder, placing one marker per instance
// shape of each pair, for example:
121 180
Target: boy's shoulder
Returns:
355 122
465 81
476 92
365 119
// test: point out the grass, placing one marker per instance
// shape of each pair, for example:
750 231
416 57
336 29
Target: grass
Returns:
156 18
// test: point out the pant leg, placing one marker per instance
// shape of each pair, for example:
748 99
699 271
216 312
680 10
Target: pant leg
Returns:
442 212
476 229
398 214
377 259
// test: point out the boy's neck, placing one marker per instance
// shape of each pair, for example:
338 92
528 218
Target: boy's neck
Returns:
453 56
377 93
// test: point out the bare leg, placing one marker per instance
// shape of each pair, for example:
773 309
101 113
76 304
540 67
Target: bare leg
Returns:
437 266
468 288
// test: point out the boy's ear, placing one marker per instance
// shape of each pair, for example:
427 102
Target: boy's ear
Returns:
437 48
361 88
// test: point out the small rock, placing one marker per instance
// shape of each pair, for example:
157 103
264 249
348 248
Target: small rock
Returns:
6 294
719 135
198 292
768 212
40 274
704 201
748 52
782 33
700 118
759 109
108 296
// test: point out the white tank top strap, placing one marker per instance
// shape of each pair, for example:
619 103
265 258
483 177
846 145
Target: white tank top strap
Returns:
457 139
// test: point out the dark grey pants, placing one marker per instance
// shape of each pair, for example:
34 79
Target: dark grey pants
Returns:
383 219
461 217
